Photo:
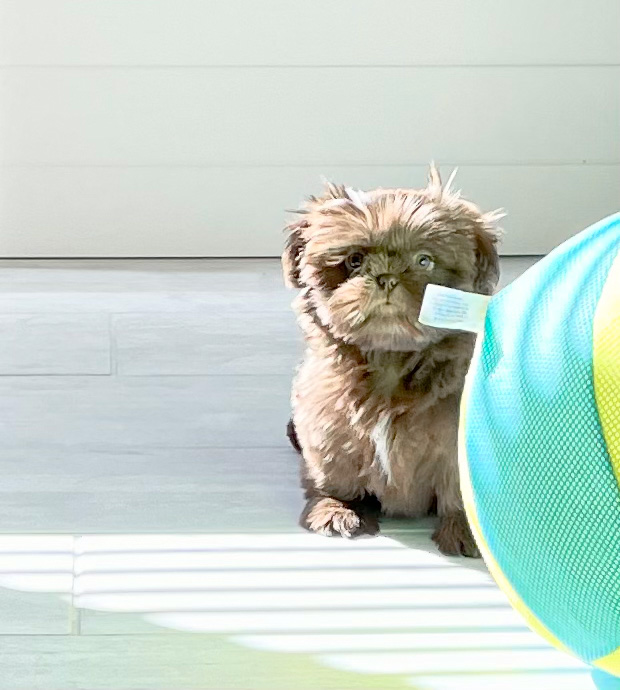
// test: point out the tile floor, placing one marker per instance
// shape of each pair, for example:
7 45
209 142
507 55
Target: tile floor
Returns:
149 500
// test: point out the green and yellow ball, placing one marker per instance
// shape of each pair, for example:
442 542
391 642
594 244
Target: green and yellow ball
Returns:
540 445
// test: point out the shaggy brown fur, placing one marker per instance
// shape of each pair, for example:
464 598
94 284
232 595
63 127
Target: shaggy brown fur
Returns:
375 402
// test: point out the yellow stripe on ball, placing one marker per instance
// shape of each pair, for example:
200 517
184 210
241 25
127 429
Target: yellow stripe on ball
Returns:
606 367
606 364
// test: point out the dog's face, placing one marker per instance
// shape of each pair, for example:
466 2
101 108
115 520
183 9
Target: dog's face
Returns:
365 259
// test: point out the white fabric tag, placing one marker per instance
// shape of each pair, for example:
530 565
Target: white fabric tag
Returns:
444 307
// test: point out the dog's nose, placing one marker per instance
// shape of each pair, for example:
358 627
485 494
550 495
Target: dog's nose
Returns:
387 281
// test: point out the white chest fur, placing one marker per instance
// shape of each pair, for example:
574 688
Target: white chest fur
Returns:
381 436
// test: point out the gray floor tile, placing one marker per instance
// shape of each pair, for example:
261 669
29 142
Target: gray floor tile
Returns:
147 511
152 275
165 662
53 301
30 613
35 573
118 412
143 286
206 343
209 662
107 663
33 344
149 490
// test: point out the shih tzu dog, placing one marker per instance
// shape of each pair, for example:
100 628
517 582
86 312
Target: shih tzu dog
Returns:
376 399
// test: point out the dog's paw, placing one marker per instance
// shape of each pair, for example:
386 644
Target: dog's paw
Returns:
454 538
332 518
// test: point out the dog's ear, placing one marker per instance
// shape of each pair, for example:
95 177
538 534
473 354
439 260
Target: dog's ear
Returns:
293 250
295 241
487 257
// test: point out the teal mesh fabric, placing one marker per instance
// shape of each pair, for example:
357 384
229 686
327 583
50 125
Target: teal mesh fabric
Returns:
603 681
546 496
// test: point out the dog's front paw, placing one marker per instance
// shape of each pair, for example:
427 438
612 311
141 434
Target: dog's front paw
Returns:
332 518
454 538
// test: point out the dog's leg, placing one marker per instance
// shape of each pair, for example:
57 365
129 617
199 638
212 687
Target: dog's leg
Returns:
453 535
332 517
330 472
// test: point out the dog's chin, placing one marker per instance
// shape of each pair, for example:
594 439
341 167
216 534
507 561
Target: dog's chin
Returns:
390 333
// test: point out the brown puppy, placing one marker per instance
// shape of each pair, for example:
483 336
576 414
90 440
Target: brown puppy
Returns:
375 401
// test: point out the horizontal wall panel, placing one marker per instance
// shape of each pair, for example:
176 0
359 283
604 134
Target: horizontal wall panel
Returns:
310 116
298 32
51 212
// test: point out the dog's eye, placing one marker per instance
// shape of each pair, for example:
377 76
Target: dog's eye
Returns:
354 261
424 261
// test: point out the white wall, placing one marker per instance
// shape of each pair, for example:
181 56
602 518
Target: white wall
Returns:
185 127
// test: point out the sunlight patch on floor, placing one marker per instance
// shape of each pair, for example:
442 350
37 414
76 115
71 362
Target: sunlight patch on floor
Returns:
579 680
453 661
33 563
376 642
376 606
